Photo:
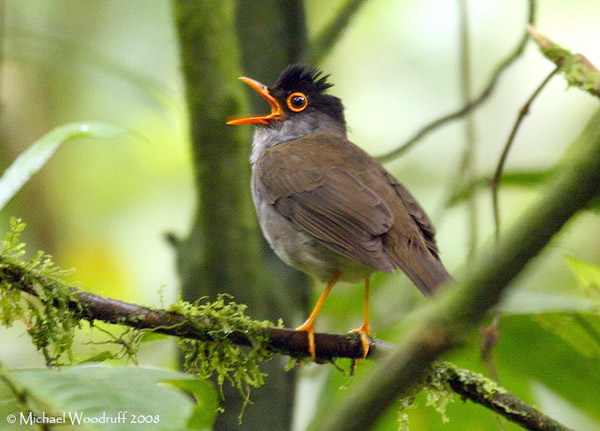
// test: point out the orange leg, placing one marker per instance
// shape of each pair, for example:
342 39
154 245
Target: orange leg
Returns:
365 328
309 325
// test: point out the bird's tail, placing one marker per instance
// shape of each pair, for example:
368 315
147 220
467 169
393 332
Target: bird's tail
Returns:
424 269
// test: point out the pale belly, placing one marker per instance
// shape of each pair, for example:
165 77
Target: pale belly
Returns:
302 251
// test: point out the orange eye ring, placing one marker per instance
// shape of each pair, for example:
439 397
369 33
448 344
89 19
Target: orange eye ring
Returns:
297 102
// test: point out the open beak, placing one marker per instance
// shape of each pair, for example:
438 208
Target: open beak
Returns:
263 90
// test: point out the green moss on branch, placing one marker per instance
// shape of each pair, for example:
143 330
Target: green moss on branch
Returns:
577 69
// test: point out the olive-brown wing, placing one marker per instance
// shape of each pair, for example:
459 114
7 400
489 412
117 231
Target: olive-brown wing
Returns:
330 204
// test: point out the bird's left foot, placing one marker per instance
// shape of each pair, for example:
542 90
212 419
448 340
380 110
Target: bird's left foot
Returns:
364 332
309 328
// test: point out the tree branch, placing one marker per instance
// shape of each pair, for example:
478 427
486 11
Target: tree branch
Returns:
224 246
288 342
473 387
576 68
285 341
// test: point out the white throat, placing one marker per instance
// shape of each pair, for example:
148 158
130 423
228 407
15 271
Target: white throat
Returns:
292 128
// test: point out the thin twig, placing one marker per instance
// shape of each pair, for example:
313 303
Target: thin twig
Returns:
469 106
327 38
578 71
495 181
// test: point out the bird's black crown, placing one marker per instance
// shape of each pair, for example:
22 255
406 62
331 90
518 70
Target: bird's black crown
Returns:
299 77
311 82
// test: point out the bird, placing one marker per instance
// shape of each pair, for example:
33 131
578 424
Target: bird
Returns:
324 205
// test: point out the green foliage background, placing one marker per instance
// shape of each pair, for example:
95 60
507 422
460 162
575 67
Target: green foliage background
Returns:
104 207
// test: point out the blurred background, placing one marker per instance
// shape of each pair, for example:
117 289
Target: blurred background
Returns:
104 207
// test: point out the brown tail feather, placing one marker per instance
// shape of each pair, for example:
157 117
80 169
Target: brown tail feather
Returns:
425 270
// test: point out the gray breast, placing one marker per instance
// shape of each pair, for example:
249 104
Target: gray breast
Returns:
300 250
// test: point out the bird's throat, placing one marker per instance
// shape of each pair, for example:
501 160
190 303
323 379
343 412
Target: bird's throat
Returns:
278 132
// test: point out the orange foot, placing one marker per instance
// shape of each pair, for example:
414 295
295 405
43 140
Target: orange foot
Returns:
309 328
364 331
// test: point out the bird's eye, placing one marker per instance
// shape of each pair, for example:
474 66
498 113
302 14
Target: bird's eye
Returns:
297 102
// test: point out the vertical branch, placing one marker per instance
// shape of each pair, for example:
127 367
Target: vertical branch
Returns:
272 34
266 49
222 247
467 172
223 250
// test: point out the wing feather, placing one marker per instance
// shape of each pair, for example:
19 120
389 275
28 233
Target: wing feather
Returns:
335 208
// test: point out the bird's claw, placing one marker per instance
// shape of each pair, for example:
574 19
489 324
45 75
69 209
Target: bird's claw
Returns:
364 332
309 328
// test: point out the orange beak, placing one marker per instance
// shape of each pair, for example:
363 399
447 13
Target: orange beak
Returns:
263 90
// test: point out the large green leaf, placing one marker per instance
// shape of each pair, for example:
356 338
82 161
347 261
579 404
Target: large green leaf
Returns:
554 349
151 398
206 402
35 157
581 331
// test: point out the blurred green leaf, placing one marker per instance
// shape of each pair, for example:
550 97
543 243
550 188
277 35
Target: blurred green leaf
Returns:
509 179
580 331
149 336
94 392
587 274
35 157
527 178
529 349
205 412
100 357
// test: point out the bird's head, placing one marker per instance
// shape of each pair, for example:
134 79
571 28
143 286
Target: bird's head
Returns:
298 100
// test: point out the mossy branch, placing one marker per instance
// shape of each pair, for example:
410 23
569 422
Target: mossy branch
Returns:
174 322
179 322
485 392
576 68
